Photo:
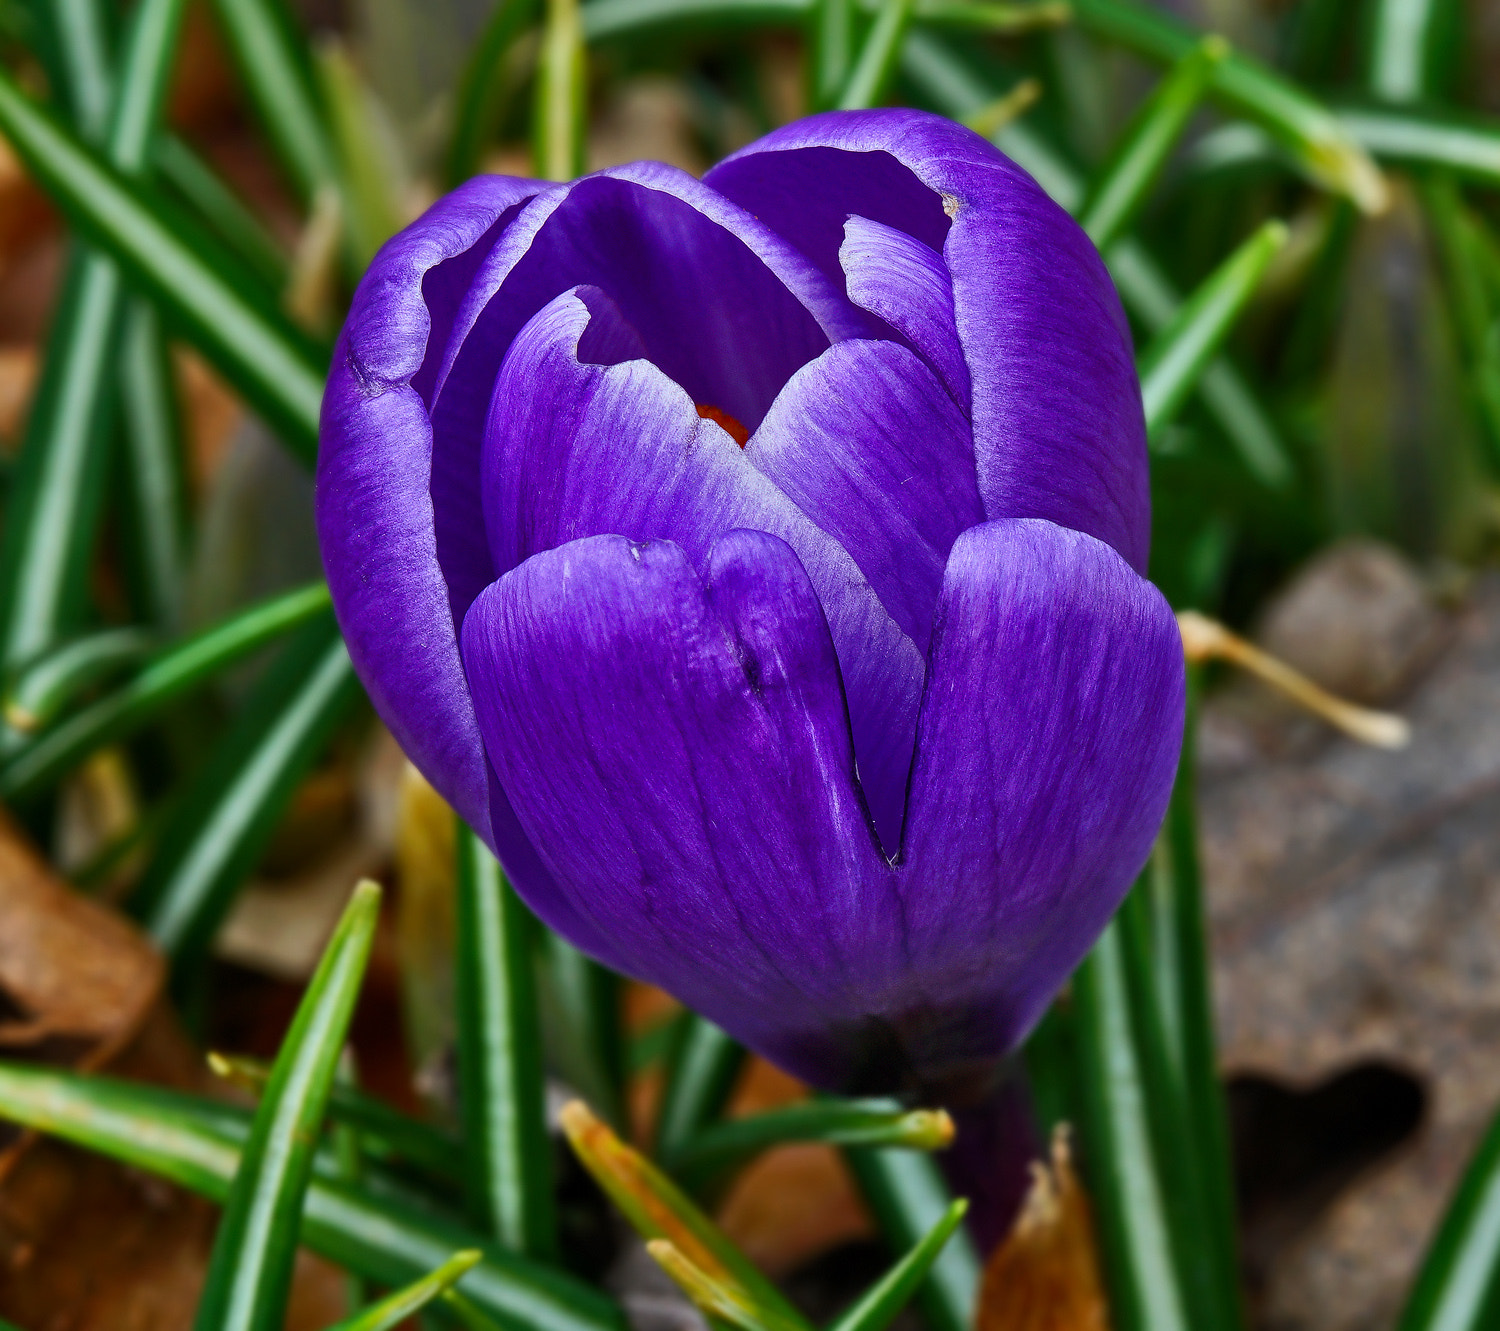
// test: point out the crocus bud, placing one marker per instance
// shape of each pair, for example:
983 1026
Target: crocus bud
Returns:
756 563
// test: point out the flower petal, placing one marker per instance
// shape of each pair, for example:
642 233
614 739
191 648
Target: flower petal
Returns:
1058 427
575 449
375 513
701 810
867 443
906 283
1045 757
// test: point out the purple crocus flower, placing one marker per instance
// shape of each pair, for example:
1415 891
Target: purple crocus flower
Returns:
756 564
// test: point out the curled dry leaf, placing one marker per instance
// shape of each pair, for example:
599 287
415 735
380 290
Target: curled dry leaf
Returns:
76 980
1045 1276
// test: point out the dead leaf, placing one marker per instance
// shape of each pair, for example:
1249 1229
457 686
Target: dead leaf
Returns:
70 968
1045 1275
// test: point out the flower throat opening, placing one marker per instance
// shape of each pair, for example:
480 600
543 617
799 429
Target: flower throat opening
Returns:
719 416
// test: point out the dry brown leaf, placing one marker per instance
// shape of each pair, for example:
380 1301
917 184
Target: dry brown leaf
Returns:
70 968
1045 1275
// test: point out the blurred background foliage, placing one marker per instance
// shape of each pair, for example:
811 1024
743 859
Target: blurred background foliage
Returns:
1301 220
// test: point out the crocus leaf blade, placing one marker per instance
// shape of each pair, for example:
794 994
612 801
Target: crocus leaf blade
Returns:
250 1270
876 1308
1172 364
395 1308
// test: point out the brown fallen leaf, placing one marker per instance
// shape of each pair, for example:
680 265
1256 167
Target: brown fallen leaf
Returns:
1045 1275
71 970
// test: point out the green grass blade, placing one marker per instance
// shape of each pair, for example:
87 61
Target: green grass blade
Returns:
390 1312
1470 148
909 1198
1182 967
48 685
1458 1286
1123 182
502 1092
74 36
481 90
224 311
877 57
51 517
703 1066
1144 288
249 1275
561 117
832 50
383 1131
1171 366
155 490
177 671
872 1123
368 183
220 209
190 1142
876 1309
1404 48
145 72
232 808
1124 1173
604 19
1317 140
272 62
581 1025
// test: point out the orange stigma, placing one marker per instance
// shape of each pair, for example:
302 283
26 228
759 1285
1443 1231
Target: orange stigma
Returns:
722 418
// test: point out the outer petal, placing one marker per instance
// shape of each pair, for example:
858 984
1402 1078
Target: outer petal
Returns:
575 449
375 513
701 811
1045 756
1058 428
906 283
866 441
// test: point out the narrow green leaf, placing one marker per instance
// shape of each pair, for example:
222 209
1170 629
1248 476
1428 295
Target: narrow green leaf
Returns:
832 50
561 117
392 1311
348 1150
1124 1172
383 1131
877 57
1170 367
994 18
75 39
51 517
839 1122
220 209
1318 142
703 1066
1122 184
1458 1287
175 672
482 88
1181 966
909 1197
501 1086
250 1271
271 58
1404 48
603 19
581 1025
216 835
224 311
190 1142
155 491
658 1209
1470 147
883 1300
45 687
368 181
1143 286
